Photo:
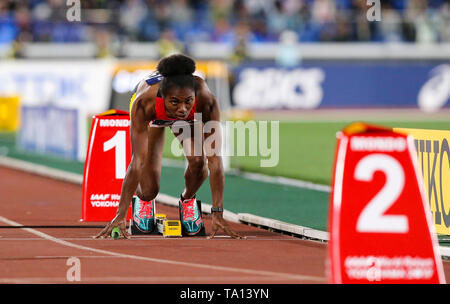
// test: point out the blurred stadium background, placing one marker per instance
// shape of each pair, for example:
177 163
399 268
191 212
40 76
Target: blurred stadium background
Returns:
313 65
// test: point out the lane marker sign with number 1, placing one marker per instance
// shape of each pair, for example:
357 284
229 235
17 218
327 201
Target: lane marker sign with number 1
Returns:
107 159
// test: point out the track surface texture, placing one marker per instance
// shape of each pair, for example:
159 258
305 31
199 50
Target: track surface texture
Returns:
40 252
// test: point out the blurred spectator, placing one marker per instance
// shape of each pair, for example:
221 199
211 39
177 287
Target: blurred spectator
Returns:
424 21
323 11
444 22
162 12
362 28
168 44
102 38
181 17
390 29
220 9
222 31
288 54
240 44
23 21
132 13
8 27
277 20
149 25
343 30
419 21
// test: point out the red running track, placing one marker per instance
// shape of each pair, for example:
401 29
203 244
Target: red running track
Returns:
40 255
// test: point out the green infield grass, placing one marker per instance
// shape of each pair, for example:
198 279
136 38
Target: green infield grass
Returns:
306 149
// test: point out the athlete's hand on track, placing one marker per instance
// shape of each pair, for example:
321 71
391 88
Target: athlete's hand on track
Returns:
219 222
118 221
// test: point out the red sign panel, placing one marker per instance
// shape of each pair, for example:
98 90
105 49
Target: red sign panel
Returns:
106 163
380 228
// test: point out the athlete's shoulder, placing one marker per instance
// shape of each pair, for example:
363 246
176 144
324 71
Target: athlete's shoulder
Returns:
199 82
207 103
202 90
143 104
153 78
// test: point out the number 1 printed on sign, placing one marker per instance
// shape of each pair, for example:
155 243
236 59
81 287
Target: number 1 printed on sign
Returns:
118 141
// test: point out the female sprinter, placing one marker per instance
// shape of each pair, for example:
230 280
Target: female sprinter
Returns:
171 94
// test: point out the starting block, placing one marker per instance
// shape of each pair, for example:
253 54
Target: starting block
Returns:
168 228
164 226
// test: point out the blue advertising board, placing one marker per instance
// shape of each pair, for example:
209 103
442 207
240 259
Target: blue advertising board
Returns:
49 130
341 85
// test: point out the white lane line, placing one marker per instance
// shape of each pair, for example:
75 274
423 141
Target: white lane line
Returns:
157 279
78 256
155 238
280 180
164 261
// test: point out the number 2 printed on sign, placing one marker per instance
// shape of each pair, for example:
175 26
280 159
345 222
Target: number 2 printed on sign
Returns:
372 218
118 142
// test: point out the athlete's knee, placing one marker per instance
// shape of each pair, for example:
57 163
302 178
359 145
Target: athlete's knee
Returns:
197 164
148 193
136 166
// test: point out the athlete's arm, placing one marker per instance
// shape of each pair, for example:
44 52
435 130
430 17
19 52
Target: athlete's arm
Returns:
213 152
213 149
138 135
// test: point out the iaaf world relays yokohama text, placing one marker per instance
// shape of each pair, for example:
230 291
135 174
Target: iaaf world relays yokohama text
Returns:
224 294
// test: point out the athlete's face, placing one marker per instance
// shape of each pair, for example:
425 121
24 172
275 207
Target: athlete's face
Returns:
179 102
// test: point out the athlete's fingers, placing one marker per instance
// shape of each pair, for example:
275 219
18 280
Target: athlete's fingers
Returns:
233 234
124 231
236 235
125 234
240 236
222 224
102 233
110 229
214 231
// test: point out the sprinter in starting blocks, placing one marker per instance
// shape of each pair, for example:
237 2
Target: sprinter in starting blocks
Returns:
171 97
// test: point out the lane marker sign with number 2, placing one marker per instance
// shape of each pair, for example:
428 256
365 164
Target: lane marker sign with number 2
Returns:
380 226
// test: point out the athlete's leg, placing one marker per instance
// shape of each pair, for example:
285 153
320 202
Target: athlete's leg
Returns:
196 171
194 176
150 173
149 178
